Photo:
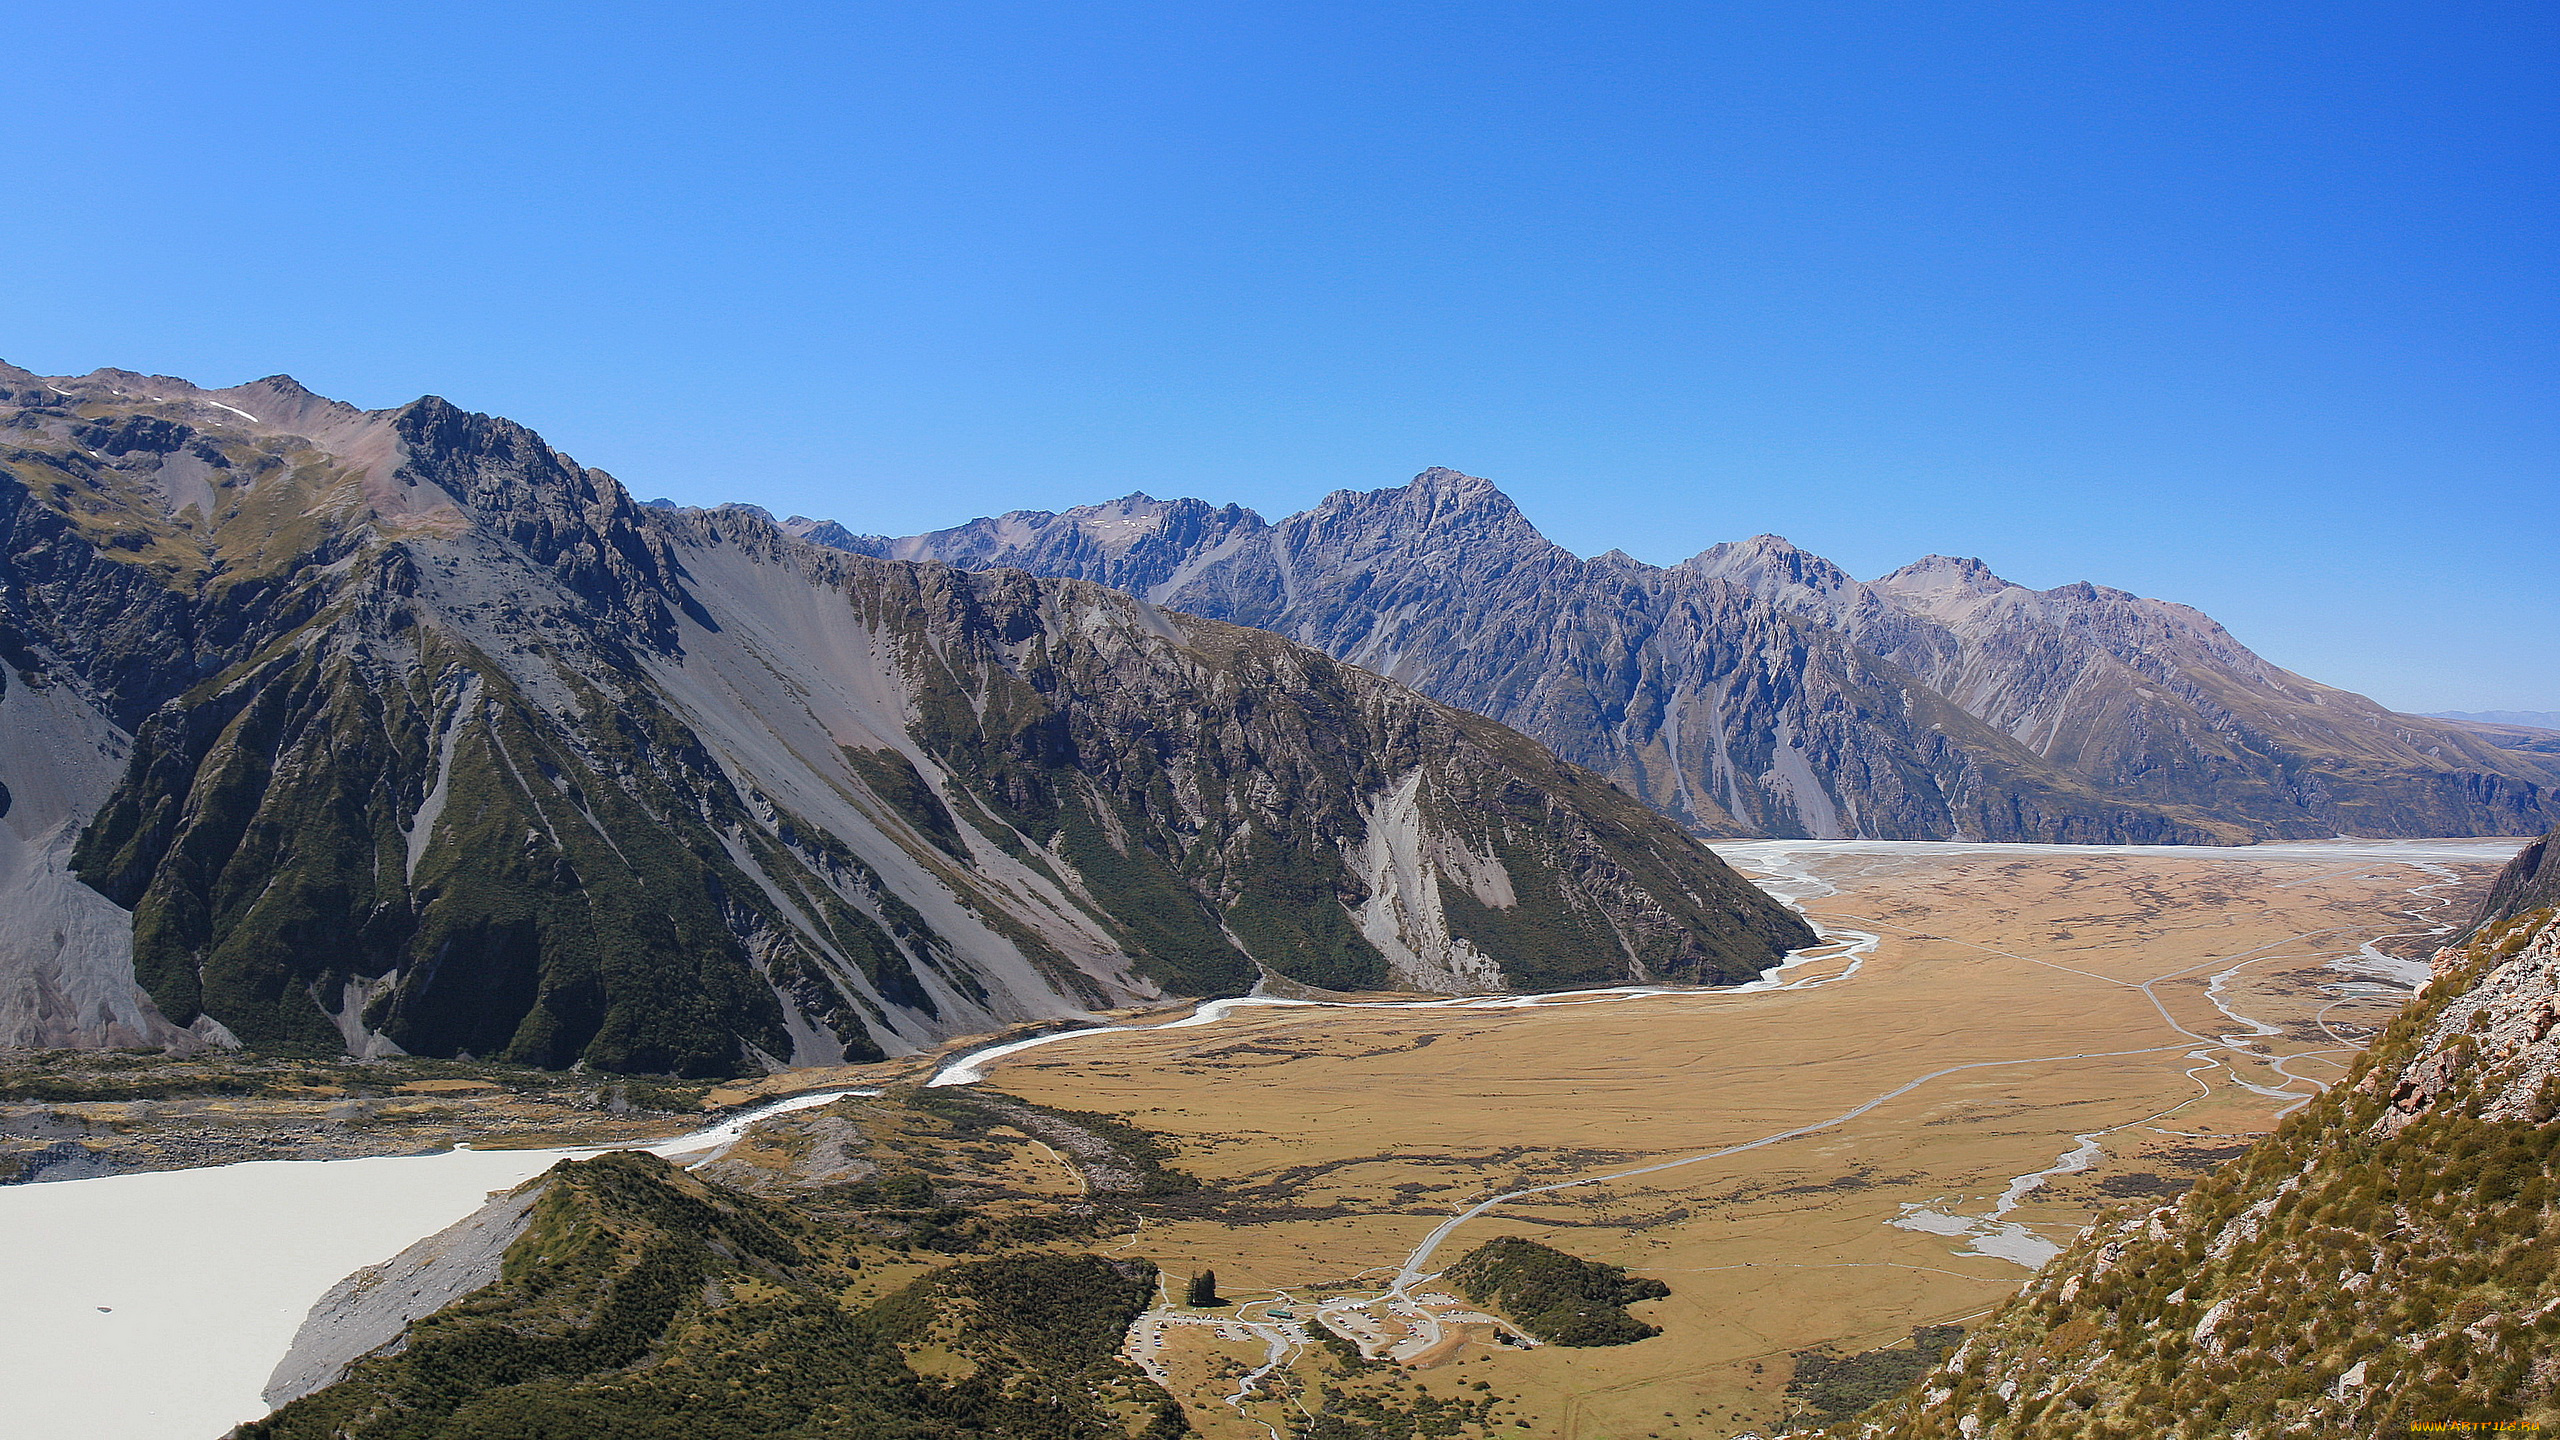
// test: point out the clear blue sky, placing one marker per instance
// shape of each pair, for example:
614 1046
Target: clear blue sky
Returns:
2247 305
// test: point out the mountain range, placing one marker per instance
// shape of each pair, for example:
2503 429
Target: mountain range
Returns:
2533 719
398 730
1759 689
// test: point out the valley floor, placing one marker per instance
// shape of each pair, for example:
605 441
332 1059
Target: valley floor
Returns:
2087 1027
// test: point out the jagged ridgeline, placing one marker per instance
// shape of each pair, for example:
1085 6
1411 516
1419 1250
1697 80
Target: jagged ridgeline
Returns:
398 730
2384 1262
1756 688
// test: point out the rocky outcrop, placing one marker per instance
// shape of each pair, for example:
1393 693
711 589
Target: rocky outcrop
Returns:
1759 689
2530 882
2390 1255
407 733
369 1312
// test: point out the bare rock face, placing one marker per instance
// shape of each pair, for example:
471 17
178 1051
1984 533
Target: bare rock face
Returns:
369 1312
2530 882
400 731
1760 689
66 952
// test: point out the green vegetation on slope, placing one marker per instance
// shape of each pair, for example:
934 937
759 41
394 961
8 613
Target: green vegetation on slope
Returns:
1212 796
568 905
877 1268
409 765
1560 1298
1351 1398
1379 1413
643 1303
1559 932
1834 1386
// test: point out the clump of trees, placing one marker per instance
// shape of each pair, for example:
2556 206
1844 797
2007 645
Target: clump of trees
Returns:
1562 1299
1203 1290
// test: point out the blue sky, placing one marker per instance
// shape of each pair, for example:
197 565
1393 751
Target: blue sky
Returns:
2250 306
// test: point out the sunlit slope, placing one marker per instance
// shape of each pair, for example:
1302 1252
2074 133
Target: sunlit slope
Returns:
1757 688
2385 1258
637 1299
2031 1036
439 743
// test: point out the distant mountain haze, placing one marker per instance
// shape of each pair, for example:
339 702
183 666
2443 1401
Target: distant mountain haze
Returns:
397 730
1759 689
2536 719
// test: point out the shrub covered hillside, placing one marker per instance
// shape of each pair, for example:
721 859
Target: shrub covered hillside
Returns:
861 1270
2382 1261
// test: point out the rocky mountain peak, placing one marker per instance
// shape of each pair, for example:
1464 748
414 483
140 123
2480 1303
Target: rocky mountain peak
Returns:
1436 488
1116 525
1442 478
525 769
578 523
277 403
832 535
1766 564
133 383
1438 510
1443 491
286 403
1943 573
1745 681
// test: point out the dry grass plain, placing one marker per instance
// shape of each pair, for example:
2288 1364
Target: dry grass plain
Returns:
2080 989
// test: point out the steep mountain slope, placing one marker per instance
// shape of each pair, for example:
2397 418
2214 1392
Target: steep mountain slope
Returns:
2530 883
439 743
1758 688
2386 1257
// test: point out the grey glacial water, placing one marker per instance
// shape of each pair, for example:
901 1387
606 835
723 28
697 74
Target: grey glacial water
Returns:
154 1306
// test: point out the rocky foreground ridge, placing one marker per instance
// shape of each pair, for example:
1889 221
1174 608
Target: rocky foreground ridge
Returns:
2385 1259
1759 689
398 731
